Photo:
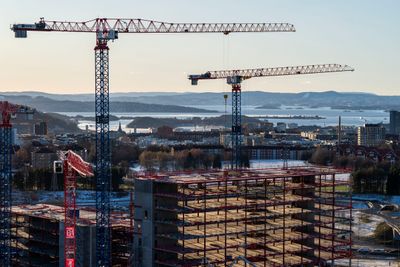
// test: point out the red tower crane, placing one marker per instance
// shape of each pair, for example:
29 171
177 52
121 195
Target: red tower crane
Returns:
107 29
71 164
7 110
235 78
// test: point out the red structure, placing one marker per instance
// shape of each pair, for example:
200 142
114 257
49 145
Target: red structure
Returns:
72 164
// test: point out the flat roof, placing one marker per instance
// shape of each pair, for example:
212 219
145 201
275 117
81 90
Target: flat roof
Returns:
212 176
53 212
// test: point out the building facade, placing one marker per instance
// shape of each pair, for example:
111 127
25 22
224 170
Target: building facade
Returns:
270 217
43 158
394 125
371 135
40 128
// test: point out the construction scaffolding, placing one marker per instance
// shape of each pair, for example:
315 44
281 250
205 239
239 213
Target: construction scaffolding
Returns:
38 236
271 217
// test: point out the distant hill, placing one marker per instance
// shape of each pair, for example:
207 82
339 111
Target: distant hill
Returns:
86 97
224 120
56 123
51 105
263 99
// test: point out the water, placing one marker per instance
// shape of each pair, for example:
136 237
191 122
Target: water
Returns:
395 199
349 117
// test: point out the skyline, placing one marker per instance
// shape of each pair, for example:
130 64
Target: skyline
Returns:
366 40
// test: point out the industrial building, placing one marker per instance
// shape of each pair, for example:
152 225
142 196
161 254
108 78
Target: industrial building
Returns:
271 217
38 236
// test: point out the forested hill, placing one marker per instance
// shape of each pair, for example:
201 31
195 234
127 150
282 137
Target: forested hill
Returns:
50 105
354 100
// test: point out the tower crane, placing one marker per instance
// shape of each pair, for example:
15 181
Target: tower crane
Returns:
70 165
7 110
235 79
105 30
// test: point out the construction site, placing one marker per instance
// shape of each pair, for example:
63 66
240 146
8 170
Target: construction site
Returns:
38 236
269 217
297 216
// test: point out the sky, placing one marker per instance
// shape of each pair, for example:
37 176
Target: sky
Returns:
364 34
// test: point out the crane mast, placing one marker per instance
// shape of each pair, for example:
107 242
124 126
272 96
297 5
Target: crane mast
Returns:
235 79
70 165
7 110
107 29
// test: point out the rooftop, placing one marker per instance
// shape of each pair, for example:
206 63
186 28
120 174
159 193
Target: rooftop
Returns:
212 176
53 212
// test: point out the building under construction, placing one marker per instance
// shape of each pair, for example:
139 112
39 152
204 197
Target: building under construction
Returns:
270 217
38 236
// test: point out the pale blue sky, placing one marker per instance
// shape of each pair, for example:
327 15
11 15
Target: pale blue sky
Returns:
362 33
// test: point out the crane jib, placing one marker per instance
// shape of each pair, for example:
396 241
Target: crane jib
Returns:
107 29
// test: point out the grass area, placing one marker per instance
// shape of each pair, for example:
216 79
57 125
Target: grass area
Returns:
338 189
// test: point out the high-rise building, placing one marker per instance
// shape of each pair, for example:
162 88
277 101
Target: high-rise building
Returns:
41 128
43 158
394 122
371 135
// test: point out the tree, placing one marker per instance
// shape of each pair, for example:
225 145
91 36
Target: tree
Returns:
206 160
322 156
393 181
21 157
217 162
117 174
39 179
148 160
244 160
163 159
356 181
341 162
189 162
126 153
18 180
